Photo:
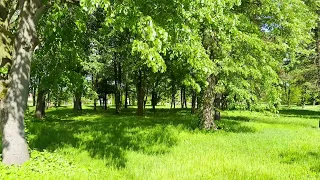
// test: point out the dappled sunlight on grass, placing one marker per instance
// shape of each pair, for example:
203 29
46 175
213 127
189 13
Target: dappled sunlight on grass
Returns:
168 145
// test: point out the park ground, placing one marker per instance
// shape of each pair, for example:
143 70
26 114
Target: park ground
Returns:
168 145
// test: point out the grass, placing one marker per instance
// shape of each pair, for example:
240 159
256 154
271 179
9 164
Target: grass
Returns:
167 145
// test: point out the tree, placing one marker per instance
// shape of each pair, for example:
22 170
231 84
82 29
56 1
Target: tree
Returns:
15 148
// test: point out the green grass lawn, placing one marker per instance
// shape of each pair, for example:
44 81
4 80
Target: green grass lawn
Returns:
167 145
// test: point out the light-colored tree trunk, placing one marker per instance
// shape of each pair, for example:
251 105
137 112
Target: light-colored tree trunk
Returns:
15 147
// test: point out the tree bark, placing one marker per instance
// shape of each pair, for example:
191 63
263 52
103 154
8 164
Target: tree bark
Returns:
140 94
206 120
217 107
77 105
14 144
41 105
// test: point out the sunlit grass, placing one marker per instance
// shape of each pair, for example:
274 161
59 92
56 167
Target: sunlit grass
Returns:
167 145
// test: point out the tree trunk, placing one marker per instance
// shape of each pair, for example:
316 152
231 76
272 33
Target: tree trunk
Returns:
206 120
117 80
173 98
94 87
140 94
181 98
145 99
194 99
317 59
154 99
14 144
127 96
105 101
184 98
34 96
77 105
41 105
95 104
217 107
48 101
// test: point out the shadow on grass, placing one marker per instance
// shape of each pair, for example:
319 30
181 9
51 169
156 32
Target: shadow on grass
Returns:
235 127
105 135
298 157
300 113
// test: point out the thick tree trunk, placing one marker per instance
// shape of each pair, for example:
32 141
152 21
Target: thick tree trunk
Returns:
41 105
194 99
206 120
140 94
77 105
14 144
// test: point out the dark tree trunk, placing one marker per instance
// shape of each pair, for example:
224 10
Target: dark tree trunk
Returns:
145 100
181 98
206 120
140 94
95 104
184 98
105 101
77 105
94 87
117 95
199 102
154 99
127 96
317 59
194 99
41 105
173 97
14 144
34 96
